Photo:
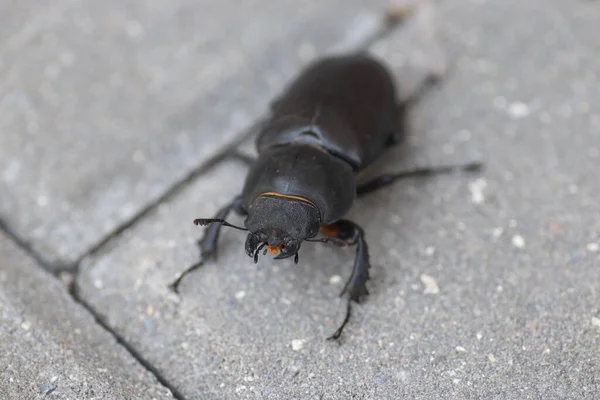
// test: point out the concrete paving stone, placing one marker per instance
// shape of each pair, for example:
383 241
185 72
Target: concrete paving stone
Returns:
51 347
483 285
104 105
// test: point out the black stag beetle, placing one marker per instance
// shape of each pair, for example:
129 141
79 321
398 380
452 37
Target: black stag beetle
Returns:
335 119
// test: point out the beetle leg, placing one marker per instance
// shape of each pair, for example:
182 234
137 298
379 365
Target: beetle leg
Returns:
385 180
346 232
245 158
208 244
399 132
350 233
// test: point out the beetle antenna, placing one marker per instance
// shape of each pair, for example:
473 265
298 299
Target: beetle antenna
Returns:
207 221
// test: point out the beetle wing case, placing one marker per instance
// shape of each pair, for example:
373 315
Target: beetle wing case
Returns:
345 104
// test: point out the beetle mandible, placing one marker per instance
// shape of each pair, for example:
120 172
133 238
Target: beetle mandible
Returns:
332 121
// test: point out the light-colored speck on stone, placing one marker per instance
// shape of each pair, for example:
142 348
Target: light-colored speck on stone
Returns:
518 110
592 247
335 279
476 188
297 344
431 286
596 322
518 241
460 349
240 294
491 357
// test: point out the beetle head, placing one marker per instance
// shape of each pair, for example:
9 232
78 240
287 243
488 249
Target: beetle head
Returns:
280 224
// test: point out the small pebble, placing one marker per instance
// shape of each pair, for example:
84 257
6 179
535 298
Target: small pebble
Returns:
592 247
479 336
460 349
491 357
431 286
518 110
518 241
596 322
25 325
240 294
297 344
476 187
335 279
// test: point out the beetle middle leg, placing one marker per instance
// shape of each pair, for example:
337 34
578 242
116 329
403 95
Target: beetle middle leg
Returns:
387 179
208 243
345 232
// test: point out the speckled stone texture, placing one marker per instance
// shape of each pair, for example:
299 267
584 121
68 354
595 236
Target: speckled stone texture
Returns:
484 285
105 105
51 347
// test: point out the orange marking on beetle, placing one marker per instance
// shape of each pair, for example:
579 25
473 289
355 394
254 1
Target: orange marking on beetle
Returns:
330 230
273 249
288 196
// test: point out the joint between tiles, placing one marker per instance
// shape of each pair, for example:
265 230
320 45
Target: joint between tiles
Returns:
122 342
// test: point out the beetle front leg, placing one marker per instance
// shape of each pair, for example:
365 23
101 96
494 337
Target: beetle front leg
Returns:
208 243
349 233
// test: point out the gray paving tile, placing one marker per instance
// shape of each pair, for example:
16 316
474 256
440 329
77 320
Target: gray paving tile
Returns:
51 347
104 105
483 286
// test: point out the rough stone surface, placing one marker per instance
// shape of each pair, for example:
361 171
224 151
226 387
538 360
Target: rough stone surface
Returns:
483 286
51 347
114 102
